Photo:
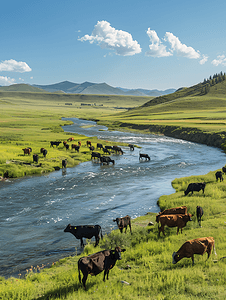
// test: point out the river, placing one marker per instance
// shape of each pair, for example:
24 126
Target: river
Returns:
35 210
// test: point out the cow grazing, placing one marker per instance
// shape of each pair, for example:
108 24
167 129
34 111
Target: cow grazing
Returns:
131 147
79 143
106 160
109 148
219 175
95 155
178 221
224 170
196 246
146 156
99 146
123 223
195 187
88 143
86 231
182 210
55 144
43 151
76 147
96 263
66 146
64 163
91 148
70 139
199 214
117 150
35 158
27 150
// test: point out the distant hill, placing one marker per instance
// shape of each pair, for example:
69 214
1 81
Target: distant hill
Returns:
99 89
21 88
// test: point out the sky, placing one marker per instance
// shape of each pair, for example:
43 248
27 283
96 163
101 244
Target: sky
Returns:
130 44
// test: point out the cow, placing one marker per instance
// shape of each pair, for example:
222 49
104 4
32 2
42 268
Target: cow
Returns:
79 143
146 156
66 146
105 150
182 210
109 148
88 143
123 223
107 160
224 170
95 155
117 150
96 263
27 151
85 231
91 148
76 147
196 246
43 151
219 175
99 146
178 221
35 158
197 186
55 144
64 163
199 214
70 139
64 143
131 147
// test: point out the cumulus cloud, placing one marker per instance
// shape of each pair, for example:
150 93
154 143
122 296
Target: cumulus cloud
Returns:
221 60
157 49
107 37
181 49
6 80
14 66
204 59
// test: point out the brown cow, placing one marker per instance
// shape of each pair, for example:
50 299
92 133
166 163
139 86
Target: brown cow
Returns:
178 221
98 262
79 143
88 143
196 246
123 223
27 151
76 147
182 210
70 139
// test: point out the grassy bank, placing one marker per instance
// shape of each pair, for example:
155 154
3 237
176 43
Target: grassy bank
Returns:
147 263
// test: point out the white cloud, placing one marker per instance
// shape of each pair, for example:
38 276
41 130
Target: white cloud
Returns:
6 80
14 66
157 49
204 59
110 38
181 49
221 60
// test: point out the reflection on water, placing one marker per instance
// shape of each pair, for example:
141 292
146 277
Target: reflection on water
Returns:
34 211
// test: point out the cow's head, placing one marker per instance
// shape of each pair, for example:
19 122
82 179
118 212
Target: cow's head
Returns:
68 228
119 223
116 254
175 257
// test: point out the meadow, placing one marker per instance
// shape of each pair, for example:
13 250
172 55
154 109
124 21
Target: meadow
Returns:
33 119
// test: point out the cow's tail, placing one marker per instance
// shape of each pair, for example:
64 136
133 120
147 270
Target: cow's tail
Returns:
101 233
79 275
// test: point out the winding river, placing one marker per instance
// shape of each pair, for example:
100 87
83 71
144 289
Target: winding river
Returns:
35 210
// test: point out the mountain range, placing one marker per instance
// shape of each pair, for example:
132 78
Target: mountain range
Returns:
99 89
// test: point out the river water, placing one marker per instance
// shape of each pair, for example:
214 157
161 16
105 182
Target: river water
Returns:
35 210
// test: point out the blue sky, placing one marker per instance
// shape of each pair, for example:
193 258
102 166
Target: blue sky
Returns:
132 44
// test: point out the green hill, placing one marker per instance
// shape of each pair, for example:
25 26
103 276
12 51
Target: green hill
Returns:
21 88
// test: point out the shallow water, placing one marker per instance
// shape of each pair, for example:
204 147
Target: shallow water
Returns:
35 210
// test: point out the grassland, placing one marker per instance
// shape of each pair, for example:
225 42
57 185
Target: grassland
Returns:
33 119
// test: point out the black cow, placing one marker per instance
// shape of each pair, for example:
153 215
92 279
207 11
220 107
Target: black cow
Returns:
109 148
131 147
43 151
105 150
64 163
107 160
117 150
146 156
35 158
66 146
123 223
195 187
199 214
54 144
219 175
99 146
224 170
86 231
95 155
96 263
91 148
76 147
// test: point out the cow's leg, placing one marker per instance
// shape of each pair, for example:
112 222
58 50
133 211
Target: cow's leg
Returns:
82 244
125 228
106 272
130 227
84 280
192 259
